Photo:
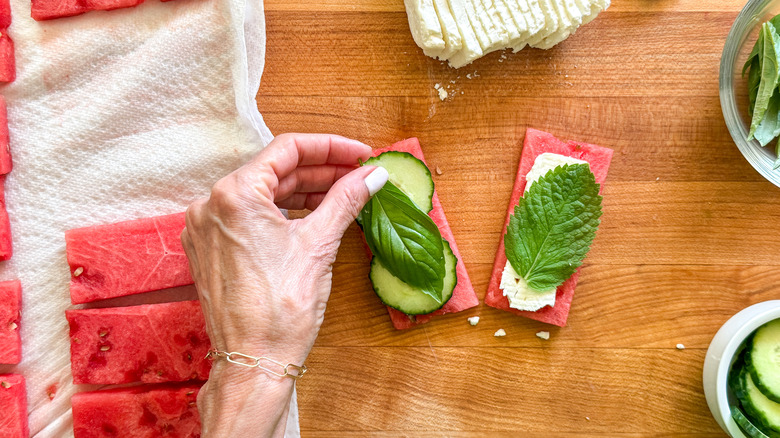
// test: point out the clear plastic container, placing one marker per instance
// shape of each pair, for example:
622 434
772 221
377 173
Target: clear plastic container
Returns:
733 87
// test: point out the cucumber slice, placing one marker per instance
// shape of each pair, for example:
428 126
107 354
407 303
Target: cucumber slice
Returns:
408 174
763 359
409 299
764 412
747 427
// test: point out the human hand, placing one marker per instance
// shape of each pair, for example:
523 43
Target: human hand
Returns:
264 280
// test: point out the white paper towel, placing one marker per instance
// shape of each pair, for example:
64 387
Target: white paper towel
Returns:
114 116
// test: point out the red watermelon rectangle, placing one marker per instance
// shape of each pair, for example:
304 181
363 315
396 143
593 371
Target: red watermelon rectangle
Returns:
7 59
50 9
5 14
146 411
10 322
13 406
150 343
536 143
5 150
463 297
6 243
126 258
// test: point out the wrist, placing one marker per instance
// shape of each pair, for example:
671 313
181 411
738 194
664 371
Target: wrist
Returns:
241 401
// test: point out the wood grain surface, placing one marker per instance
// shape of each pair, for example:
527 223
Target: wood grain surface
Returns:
689 234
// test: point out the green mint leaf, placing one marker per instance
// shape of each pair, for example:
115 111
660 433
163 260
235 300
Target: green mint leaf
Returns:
753 56
769 74
552 227
406 240
754 80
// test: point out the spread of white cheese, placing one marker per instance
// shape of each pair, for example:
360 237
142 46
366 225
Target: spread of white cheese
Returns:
515 288
460 31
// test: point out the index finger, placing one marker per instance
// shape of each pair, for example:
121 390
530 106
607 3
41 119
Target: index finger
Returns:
288 151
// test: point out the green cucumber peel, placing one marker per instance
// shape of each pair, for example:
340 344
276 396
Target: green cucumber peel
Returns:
406 240
553 226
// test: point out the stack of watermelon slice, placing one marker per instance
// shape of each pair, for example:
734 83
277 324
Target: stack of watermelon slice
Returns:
152 343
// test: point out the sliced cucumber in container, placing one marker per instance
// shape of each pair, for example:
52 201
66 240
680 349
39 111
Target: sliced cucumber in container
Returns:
746 425
763 359
409 174
409 299
764 412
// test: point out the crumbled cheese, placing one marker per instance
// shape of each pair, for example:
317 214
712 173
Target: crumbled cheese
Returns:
438 170
680 347
499 333
543 335
442 94
474 320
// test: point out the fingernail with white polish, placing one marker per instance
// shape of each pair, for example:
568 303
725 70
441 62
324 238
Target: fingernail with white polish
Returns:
376 180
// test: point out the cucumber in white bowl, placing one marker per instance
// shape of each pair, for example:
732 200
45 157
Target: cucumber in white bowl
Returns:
723 377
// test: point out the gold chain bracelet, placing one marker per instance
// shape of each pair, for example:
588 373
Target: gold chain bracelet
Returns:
254 362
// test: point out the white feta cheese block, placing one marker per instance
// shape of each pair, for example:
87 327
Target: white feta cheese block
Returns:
470 49
449 29
532 13
509 21
425 27
522 297
564 29
493 24
476 24
514 287
550 22
575 16
521 24
546 162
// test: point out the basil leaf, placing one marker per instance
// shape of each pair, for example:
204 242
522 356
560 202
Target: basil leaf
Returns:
757 46
553 226
769 128
754 80
769 74
406 240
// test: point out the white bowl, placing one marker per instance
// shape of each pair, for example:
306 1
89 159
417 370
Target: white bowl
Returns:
723 349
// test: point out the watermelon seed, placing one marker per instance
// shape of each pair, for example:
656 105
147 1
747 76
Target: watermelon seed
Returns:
190 392
105 348
12 326
103 333
159 373
77 340
5 384
192 403
78 271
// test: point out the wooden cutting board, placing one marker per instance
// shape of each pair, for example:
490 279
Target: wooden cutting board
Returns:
689 234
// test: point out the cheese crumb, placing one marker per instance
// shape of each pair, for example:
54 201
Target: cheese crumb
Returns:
680 347
474 320
442 94
438 170
499 333
468 76
543 335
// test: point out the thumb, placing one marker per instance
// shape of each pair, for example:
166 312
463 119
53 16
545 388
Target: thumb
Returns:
346 198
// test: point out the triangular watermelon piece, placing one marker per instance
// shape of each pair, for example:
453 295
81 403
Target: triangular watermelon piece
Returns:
536 143
10 322
5 14
126 258
50 9
146 411
150 343
463 297
13 404
7 59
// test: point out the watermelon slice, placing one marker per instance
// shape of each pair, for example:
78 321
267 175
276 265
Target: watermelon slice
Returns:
5 149
107 5
7 60
463 297
535 144
126 258
10 316
146 411
150 343
50 9
6 245
5 14
13 401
